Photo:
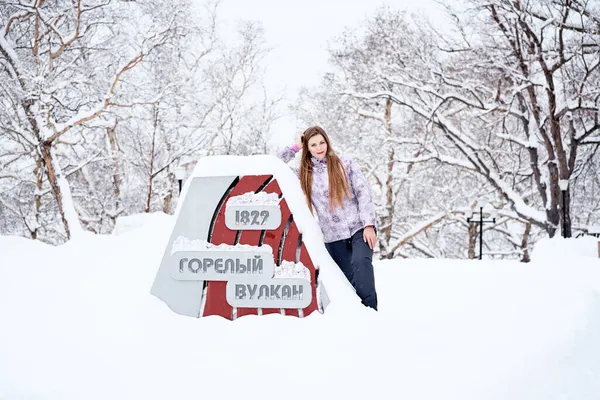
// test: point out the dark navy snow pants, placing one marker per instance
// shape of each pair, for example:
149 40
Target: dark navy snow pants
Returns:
355 259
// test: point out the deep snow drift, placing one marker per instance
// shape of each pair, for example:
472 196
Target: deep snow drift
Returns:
78 322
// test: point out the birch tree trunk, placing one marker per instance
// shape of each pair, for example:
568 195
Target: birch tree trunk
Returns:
62 193
38 172
525 243
152 157
116 178
472 241
388 217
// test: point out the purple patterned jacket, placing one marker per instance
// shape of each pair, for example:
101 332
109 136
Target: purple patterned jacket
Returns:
358 211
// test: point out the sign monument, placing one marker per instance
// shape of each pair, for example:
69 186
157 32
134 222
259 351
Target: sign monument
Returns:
235 250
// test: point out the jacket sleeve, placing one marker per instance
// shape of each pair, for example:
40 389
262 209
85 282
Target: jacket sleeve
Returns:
286 155
360 187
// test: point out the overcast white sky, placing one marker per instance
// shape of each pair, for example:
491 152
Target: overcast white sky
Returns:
298 32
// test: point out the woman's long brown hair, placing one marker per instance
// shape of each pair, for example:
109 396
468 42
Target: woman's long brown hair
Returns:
338 185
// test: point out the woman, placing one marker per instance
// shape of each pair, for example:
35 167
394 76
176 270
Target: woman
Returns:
341 197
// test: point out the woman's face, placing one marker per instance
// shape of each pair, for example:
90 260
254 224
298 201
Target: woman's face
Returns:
317 146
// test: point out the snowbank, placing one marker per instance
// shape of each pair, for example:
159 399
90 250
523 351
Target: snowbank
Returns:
559 248
138 222
77 322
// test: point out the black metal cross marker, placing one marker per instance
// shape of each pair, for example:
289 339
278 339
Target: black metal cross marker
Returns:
480 221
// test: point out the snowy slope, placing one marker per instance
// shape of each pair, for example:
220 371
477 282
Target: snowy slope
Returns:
78 322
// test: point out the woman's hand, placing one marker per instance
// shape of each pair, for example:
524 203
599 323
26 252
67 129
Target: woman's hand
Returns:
300 141
370 236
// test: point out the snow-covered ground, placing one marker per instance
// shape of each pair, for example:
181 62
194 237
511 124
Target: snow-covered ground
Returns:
78 322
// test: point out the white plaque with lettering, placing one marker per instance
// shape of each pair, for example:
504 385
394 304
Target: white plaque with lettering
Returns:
211 265
270 293
252 217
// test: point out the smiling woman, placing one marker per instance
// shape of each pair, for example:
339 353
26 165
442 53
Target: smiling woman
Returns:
337 190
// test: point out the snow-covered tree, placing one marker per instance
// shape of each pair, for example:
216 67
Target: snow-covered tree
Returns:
488 113
61 69
513 99
102 100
